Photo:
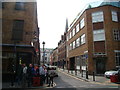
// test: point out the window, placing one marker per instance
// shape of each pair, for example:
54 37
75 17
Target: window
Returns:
67 37
70 35
82 23
73 31
114 16
116 33
77 42
117 57
17 32
20 6
73 44
99 35
97 17
77 28
83 39
3 5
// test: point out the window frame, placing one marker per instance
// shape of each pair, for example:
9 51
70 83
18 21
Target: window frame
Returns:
98 32
116 34
82 23
117 58
83 39
114 15
97 16
20 6
77 42
77 28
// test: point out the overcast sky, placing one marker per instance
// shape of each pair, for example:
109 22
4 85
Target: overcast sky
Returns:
52 16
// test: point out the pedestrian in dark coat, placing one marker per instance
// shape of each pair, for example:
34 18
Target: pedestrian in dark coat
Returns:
51 77
19 74
30 75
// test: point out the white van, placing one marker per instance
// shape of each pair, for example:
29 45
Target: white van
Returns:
53 69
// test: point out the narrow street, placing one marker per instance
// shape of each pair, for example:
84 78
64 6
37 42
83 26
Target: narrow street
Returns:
67 81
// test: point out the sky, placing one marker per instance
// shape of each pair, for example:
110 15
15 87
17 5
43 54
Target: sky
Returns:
52 16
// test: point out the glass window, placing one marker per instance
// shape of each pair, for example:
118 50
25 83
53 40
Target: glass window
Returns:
73 44
82 23
69 35
99 35
77 42
117 57
73 31
77 28
97 17
3 5
83 39
17 32
116 33
20 6
114 16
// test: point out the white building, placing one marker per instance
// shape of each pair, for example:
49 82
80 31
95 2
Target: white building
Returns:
47 52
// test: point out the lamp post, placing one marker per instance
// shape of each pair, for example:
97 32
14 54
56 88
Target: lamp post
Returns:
43 52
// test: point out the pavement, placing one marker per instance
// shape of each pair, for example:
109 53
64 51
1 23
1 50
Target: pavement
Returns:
7 85
98 79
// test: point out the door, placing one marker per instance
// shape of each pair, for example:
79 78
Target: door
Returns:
100 65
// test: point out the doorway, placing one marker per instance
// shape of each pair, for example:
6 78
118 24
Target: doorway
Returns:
72 63
100 65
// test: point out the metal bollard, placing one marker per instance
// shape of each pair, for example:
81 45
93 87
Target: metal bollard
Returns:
93 76
76 72
82 73
86 74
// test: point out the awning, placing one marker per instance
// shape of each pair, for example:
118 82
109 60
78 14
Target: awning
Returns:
13 45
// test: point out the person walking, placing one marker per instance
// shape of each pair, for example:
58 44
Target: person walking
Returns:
51 77
42 74
19 74
30 75
24 80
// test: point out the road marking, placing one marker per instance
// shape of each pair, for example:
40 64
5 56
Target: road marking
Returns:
88 81
71 76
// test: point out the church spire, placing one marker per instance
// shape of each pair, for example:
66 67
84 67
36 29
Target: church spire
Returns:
66 27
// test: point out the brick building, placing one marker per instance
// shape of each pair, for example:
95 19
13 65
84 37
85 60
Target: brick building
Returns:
20 35
62 54
54 57
93 38
62 51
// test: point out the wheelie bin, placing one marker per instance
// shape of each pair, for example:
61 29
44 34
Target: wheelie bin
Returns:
114 78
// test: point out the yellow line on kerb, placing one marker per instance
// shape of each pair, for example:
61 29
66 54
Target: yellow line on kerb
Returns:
88 81
71 76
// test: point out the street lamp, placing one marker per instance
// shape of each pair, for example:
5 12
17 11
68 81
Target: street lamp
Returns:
43 51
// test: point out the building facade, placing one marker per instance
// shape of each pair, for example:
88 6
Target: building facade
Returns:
46 55
54 57
62 51
20 35
93 39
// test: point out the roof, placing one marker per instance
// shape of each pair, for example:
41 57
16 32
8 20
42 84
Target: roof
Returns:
94 5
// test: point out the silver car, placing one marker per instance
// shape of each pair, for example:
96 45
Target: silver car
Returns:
110 73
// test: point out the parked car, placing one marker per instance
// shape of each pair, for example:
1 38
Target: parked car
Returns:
107 74
53 69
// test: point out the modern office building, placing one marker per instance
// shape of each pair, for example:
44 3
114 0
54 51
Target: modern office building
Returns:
20 35
93 38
